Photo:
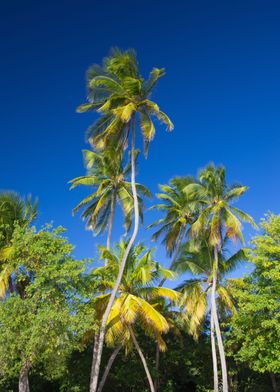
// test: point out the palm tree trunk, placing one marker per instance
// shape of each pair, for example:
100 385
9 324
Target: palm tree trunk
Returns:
23 384
108 368
157 380
180 239
217 326
108 244
96 364
213 347
152 388
111 221
273 381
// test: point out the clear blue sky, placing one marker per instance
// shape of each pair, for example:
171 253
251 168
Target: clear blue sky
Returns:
222 90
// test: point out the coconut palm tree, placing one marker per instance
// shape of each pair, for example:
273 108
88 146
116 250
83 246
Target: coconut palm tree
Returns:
135 301
108 177
220 219
181 210
118 92
13 210
197 258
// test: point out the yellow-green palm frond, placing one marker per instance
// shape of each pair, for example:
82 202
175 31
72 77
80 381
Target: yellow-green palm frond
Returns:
225 298
233 226
100 305
115 326
125 112
194 301
4 281
160 292
161 343
5 252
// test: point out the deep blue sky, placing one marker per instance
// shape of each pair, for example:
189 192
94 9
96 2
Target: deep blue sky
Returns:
222 90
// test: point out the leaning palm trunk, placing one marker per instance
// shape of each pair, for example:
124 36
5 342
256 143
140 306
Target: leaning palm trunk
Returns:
96 363
213 346
23 384
217 326
152 388
108 368
108 244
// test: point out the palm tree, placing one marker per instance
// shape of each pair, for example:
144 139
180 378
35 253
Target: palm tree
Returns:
119 93
109 180
181 210
108 176
13 210
134 301
220 219
197 258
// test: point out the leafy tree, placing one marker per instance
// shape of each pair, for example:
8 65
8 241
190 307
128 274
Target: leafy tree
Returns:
120 94
14 210
255 330
42 321
220 219
133 303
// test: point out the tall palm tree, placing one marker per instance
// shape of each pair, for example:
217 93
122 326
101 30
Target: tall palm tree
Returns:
197 258
221 219
119 93
134 301
108 177
181 210
13 210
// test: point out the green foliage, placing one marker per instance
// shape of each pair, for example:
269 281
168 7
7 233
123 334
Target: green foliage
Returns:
255 329
42 322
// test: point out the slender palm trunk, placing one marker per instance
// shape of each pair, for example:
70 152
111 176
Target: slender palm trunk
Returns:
143 359
111 221
213 347
157 380
23 383
108 368
108 244
178 246
217 327
273 381
96 364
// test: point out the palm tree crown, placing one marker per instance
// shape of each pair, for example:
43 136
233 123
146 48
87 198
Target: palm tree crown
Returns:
197 258
117 91
109 179
180 209
219 216
136 293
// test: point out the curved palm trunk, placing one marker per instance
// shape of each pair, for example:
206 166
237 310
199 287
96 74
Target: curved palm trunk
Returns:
111 221
213 347
108 244
108 368
152 388
217 327
23 383
180 239
96 364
